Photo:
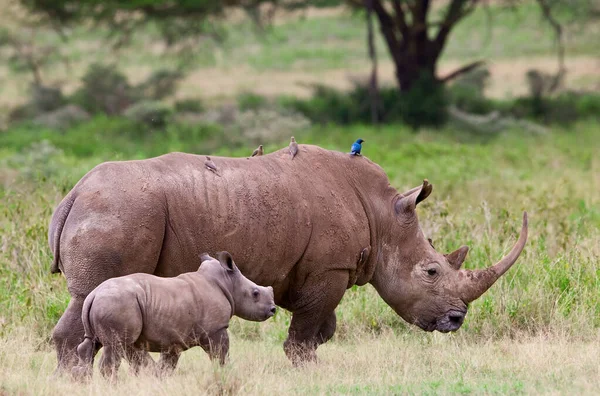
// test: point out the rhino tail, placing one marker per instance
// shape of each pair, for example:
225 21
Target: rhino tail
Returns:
85 316
59 218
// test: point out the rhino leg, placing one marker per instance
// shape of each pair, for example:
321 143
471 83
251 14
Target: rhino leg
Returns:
168 361
86 352
313 321
138 359
111 361
218 346
68 334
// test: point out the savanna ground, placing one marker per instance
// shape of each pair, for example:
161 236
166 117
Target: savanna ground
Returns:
536 331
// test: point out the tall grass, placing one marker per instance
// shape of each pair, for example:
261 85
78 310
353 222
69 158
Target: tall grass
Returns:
549 301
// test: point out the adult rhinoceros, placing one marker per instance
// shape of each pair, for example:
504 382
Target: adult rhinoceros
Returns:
311 227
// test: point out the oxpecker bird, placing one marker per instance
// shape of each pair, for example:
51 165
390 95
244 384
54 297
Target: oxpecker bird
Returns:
356 147
293 148
210 165
258 152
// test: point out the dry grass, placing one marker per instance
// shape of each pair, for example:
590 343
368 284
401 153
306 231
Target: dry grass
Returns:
410 363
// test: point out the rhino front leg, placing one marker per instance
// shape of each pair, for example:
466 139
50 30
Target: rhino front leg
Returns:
314 321
218 346
168 361
67 335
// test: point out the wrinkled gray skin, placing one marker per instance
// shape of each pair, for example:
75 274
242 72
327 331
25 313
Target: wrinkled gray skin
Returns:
310 228
135 314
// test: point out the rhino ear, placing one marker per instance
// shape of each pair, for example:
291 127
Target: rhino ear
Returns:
204 257
226 260
457 257
409 200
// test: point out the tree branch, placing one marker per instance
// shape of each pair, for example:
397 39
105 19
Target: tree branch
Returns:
400 18
461 70
386 24
547 12
456 11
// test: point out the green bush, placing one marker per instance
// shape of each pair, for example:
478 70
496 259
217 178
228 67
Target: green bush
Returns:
150 112
159 85
251 101
565 108
189 105
104 90
424 105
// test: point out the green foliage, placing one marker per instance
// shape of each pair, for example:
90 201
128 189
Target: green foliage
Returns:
159 85
154 114
424 105
251 101
104 90
190 105
565 108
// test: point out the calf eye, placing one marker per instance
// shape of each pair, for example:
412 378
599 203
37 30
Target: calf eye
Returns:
432 271
255 293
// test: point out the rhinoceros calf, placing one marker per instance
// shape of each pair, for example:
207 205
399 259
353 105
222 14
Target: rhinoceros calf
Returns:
137 313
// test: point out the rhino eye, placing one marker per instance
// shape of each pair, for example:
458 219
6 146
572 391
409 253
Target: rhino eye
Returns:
431 271
255 293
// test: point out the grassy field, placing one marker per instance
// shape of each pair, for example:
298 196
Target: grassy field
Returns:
536 331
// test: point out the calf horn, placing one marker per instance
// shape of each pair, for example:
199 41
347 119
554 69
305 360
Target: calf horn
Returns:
475 283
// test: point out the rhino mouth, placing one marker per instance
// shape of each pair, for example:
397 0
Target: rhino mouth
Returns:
451 321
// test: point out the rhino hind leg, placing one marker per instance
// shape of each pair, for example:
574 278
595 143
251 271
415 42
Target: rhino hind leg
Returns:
85 351
138 359
314 321
67 335
111 361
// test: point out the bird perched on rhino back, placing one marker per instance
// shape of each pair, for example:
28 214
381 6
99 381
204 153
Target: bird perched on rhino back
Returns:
293 148
258 152
210 165
356 147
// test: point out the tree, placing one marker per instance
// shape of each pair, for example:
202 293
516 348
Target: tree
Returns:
414 37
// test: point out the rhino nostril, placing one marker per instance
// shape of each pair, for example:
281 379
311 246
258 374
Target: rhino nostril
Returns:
273 310
456 318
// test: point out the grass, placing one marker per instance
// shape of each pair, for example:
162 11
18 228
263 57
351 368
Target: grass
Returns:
536 330
387 364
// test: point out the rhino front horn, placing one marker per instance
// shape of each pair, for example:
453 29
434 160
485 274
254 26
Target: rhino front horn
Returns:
475 283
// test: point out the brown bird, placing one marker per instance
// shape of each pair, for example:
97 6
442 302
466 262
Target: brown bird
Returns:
210 165
293 148
258 152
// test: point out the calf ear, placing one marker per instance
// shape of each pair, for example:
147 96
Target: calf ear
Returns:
457 257
226 260
409 200
204 257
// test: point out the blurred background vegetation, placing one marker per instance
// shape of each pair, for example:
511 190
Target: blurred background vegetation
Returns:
496 102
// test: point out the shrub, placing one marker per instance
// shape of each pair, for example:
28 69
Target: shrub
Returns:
152 113
424 105
159 85
104 90
189 105
251 101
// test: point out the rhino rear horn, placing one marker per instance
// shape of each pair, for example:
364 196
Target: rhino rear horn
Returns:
204 257
475 283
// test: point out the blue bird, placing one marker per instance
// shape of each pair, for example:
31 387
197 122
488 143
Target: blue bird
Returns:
356 147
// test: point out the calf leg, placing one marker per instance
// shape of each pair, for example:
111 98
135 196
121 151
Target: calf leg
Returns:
111 361
86 352
313 321
67 335
218 346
